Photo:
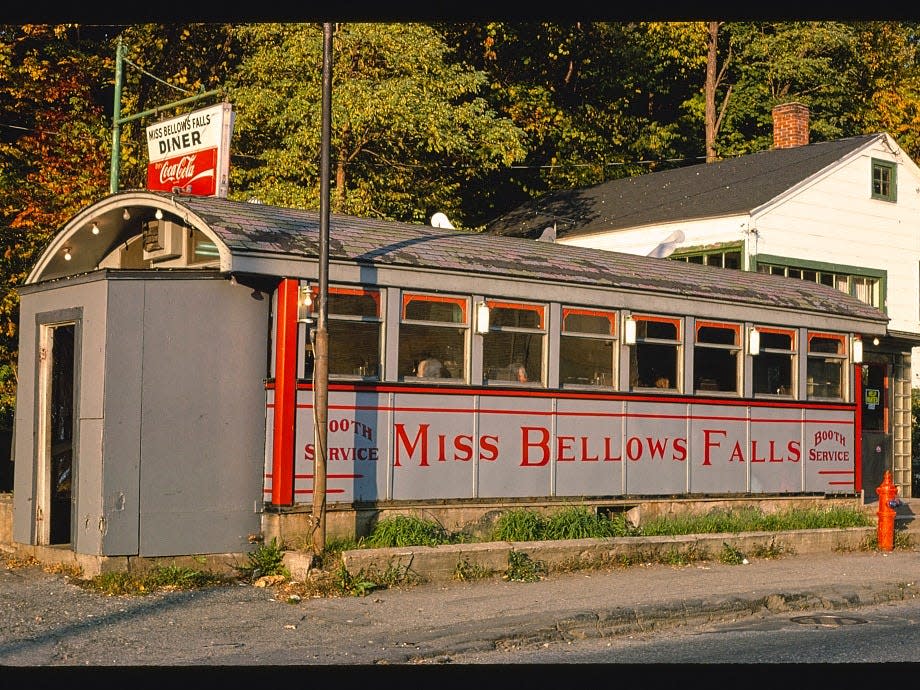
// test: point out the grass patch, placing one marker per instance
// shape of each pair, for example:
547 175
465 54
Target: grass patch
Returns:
159 579
408 530
752 519
572 522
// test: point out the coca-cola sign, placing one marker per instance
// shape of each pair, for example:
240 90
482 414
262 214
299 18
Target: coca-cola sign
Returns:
191 154
193 173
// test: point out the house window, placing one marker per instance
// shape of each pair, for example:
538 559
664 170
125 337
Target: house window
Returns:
432 337
729 257
354 326
865 288
587 347
715 357
512 350
774 367
826 359
655 358
884 180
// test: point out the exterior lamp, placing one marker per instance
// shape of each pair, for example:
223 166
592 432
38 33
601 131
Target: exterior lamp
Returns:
95 229
482 318
857 350
304 305
753 342
629 331
159 214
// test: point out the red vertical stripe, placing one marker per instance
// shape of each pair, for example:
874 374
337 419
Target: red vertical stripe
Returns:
857 435
285 393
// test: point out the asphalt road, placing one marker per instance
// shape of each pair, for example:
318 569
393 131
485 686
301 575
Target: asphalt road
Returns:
46 621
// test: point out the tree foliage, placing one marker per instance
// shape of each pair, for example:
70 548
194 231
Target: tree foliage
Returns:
470 119
409 130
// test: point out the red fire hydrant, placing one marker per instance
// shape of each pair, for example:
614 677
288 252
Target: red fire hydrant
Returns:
887 500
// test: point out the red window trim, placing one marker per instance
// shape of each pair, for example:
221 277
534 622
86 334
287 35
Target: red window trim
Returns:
459 301
719 324
841 339
538 308
360 292
611 317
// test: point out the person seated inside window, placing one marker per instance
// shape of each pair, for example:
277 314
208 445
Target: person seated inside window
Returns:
431 368
518 372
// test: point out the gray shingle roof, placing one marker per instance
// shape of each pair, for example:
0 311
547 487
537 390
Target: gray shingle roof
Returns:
736 185
261 229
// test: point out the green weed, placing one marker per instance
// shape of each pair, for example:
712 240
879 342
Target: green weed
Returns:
522 568
730 555
466 571
266 559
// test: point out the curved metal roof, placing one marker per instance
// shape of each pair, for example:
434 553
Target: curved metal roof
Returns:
274 235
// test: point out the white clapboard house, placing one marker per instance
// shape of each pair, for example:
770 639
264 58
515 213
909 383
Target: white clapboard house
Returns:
844 213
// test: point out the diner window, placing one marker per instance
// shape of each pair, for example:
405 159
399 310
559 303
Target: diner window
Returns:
203 249
432 337
587 347
354 326
512 350
774 366
826 365
655 357
884 180
716 364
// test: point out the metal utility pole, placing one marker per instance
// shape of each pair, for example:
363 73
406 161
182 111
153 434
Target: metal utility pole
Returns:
116 118
321 355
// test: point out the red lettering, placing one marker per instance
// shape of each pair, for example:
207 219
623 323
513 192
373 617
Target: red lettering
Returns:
754 457
464 444
773 458
608 452
656 446
442 457
488 448
402 440
526 444
680 449
633 448
737 453
562 443
794 449
708 444
584 451
308 451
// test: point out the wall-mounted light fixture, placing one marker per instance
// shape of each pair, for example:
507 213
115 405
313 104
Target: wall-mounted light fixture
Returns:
304 305
629 331
126 215
753 342
67 255
857 350
159 214
482 318
875 341
95 229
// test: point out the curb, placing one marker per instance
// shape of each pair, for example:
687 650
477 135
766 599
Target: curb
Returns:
581 625
440 564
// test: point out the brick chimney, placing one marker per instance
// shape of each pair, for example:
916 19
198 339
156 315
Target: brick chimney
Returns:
790 125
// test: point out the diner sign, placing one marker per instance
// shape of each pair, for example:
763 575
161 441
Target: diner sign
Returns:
190 154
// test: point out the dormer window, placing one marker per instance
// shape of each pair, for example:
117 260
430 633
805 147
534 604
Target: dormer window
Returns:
884 180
